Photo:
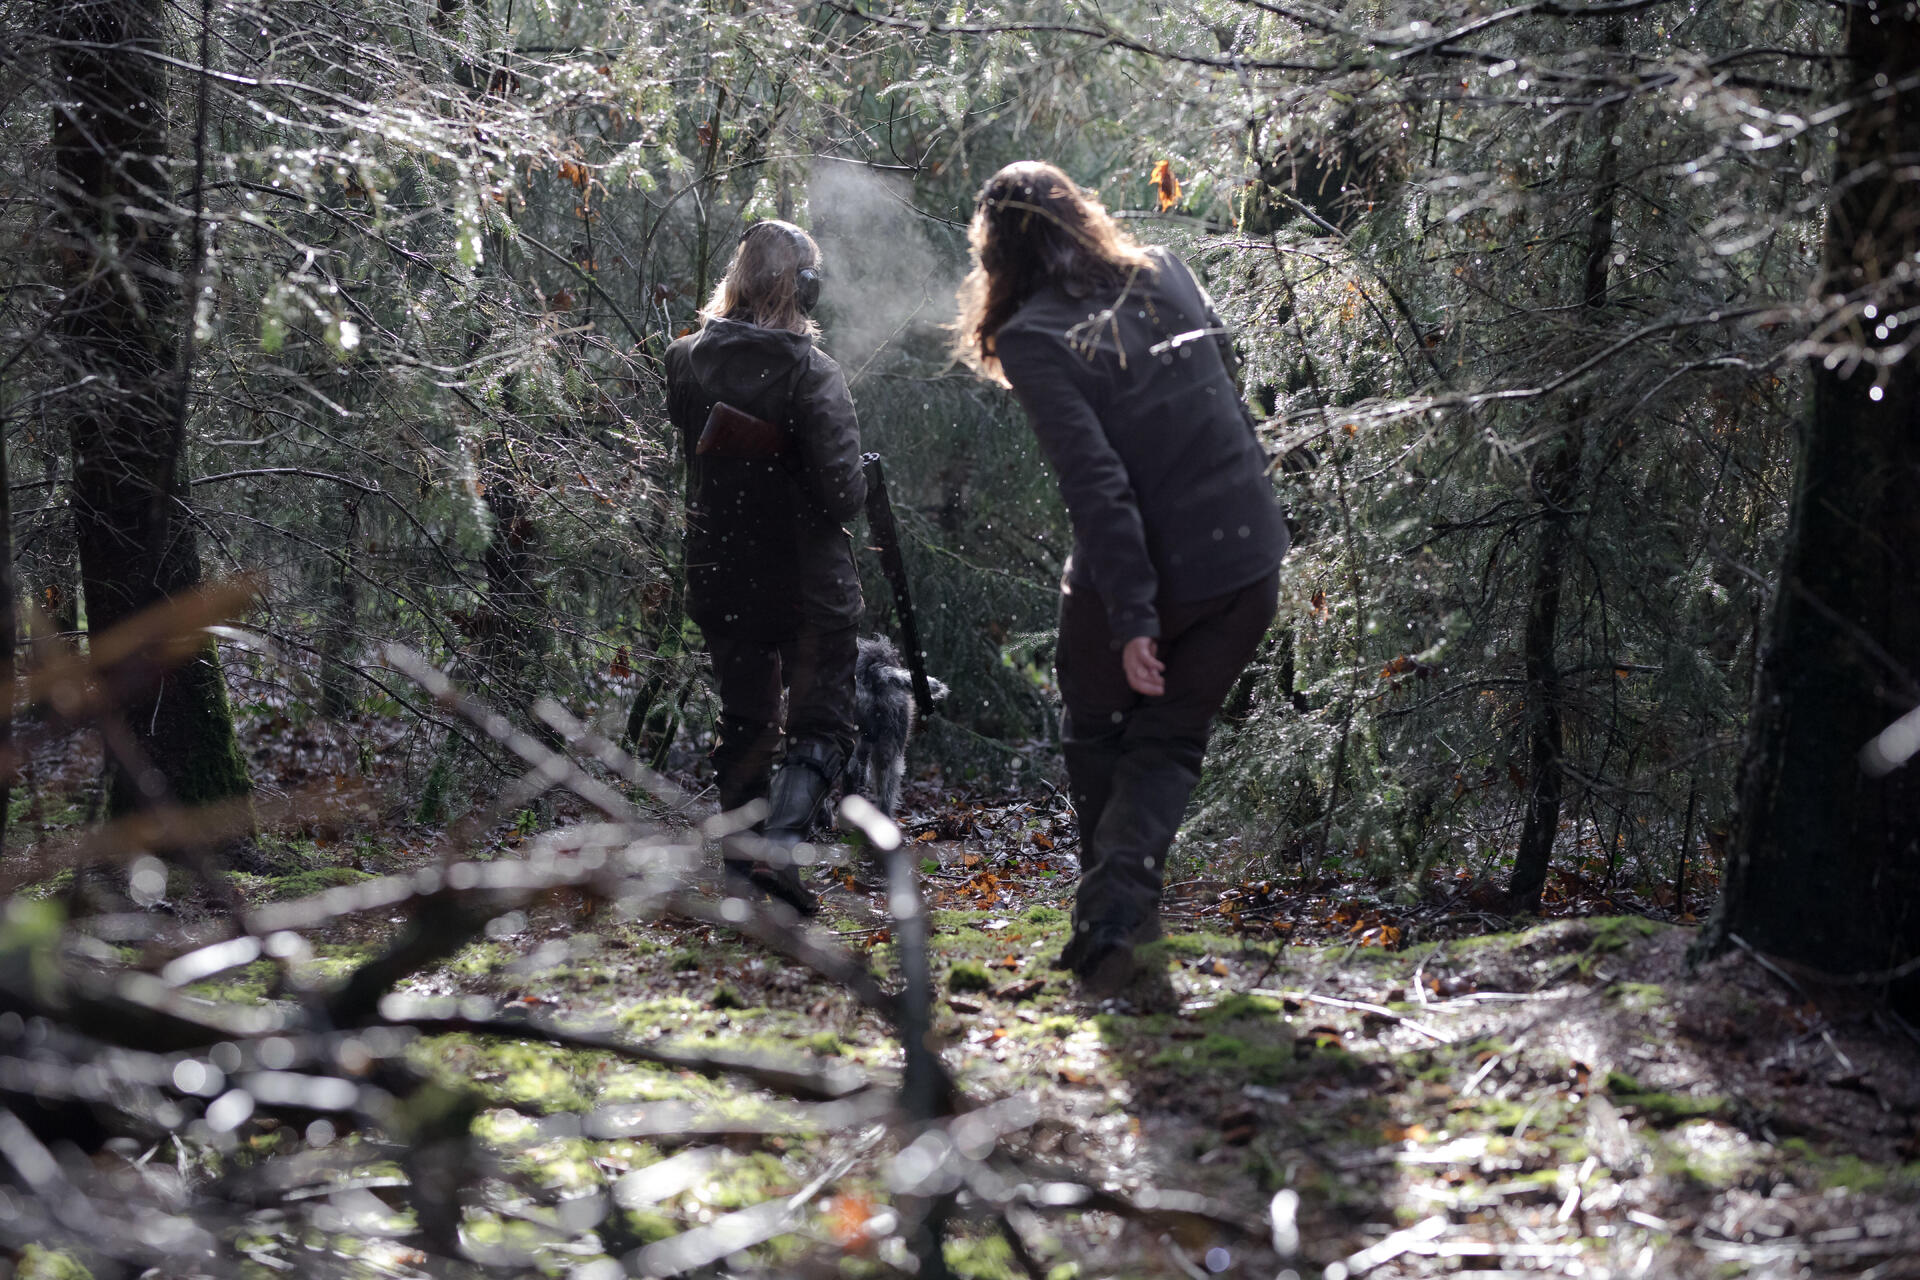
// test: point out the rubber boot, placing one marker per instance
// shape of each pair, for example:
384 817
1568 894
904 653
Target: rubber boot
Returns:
799 784
743 772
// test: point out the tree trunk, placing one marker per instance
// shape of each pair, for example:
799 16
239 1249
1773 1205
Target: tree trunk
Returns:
515 627
341 626
9 641
1555 486
1825 863
120 334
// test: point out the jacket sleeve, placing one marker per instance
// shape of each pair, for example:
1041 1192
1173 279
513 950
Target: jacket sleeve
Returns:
1108 531
680 392
829 441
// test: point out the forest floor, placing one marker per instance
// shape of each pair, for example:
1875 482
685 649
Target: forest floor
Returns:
1563 1097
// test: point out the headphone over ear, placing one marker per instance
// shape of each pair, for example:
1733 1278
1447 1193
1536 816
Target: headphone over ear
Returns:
806 281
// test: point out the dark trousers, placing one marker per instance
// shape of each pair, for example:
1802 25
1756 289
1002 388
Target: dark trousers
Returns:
1132 761
815 670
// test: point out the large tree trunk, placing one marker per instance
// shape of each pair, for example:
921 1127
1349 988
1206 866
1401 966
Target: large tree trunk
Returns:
1825 863
1555 486
120 334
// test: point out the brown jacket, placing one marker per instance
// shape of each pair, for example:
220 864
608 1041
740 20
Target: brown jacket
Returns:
1132 398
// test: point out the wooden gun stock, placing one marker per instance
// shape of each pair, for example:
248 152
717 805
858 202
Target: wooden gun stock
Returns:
735 433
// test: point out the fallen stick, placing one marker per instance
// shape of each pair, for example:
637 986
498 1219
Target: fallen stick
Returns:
1362 1006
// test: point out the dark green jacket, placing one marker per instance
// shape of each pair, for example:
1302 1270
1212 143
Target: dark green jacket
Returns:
766 548
1134 403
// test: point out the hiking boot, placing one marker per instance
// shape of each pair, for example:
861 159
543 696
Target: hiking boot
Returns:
1105 968
1070 956
799 784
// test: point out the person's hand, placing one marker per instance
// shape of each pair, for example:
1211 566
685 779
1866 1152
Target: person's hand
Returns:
1146 674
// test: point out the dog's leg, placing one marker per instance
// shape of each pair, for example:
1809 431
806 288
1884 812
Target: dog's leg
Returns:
888 784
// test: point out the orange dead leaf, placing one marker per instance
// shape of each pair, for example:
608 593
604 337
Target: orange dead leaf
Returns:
1169 186
845 1218
1042 840
1320 611
621 667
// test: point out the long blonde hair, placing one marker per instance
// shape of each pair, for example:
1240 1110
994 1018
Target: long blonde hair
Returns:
762 282
1033 226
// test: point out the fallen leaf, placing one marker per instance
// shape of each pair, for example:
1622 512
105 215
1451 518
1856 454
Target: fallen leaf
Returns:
1021 990
1239 1126
845 1218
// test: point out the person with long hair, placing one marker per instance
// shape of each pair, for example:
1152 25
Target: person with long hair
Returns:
772 447
1126 374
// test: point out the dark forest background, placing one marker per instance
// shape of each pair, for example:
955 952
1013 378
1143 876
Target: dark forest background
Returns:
1524 315
1580 336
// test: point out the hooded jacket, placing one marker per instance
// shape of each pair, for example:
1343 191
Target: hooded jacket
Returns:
766 550
1132 396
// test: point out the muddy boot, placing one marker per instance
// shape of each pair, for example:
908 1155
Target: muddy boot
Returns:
742 771
799 784
1090 766
1117 906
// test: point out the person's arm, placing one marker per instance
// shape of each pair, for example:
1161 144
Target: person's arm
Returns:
829 441
1093 481
680 389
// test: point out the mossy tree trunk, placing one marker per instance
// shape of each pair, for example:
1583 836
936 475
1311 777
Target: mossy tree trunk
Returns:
1824 866
120 333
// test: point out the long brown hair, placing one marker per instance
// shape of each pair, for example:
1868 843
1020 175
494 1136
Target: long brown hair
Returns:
1033 226
762 282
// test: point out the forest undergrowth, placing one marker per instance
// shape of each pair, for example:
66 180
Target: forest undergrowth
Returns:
1355 1084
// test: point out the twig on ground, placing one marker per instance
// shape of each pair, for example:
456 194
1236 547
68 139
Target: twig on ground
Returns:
1362 1006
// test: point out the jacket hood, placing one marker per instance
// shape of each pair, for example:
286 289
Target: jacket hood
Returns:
737 362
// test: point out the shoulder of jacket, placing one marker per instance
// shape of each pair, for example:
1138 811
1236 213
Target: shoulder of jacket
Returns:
1040 318
820 364
1173 268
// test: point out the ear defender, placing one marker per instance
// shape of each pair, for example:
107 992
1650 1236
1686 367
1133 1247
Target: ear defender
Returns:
806 281
806 288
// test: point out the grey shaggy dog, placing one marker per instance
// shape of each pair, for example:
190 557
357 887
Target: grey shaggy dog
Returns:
883 706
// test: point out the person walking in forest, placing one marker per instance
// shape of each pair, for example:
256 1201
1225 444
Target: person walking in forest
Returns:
773 469
1126 374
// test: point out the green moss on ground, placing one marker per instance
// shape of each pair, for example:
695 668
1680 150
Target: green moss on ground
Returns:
1663 1108
968 975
